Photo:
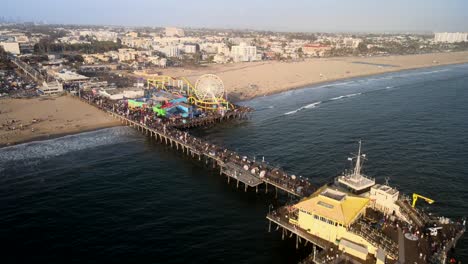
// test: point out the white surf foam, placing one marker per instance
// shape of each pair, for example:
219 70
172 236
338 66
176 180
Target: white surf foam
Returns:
421 73
62 145
344 96
312 105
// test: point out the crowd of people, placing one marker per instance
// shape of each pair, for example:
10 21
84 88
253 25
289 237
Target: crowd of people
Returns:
166 126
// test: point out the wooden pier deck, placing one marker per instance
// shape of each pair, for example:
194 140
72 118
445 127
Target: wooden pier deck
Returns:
232 170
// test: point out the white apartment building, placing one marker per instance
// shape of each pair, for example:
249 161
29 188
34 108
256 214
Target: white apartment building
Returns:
190 48
450 37
171 51
244 53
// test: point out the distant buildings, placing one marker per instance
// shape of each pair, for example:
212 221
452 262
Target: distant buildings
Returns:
132 34
190 48
317 50
171 51
450 37
100 35
174 32
244 53
351 42
127 54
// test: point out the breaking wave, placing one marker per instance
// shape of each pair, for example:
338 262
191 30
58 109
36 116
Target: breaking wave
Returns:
312 105
344 96
62 145
421 73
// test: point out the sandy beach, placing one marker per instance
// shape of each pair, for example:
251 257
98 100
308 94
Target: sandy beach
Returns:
28 119
247 80
41 118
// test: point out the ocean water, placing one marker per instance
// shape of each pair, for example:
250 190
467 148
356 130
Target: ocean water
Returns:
114 195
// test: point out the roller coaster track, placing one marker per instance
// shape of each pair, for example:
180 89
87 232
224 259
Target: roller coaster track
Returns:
168 83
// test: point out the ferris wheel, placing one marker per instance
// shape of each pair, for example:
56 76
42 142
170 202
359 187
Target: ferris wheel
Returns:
209 87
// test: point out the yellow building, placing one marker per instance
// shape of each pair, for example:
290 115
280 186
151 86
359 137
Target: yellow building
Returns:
329 213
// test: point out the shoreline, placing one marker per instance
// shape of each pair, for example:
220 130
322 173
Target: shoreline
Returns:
247 80
26 120
311 85
74 116
55 136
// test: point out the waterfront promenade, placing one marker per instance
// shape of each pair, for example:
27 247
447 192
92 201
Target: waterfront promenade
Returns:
233 165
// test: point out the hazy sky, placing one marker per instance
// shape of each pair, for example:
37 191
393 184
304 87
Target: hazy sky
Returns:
281 15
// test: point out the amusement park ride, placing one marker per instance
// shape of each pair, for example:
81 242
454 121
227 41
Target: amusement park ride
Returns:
207 94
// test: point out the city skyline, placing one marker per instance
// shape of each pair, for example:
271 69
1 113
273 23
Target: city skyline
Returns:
299 15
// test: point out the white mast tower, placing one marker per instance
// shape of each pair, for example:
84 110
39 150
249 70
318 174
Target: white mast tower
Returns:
356 182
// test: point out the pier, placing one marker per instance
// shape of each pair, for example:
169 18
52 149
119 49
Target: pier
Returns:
252 174
235 167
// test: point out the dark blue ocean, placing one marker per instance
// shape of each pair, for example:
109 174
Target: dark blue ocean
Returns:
116 196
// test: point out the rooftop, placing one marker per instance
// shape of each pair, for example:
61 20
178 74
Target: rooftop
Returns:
385 188
335 205
356 182
71 76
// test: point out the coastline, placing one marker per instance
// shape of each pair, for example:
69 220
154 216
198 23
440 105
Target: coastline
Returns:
65 115
311 85
55 135
26 120
244 81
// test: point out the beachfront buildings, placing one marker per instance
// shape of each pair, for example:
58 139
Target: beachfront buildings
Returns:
242 53
51 88
315 50
450 37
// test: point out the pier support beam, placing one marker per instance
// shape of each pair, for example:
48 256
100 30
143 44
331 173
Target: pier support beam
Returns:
237 183
269 226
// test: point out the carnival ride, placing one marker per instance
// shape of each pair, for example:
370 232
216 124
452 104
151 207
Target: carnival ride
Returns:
207 94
